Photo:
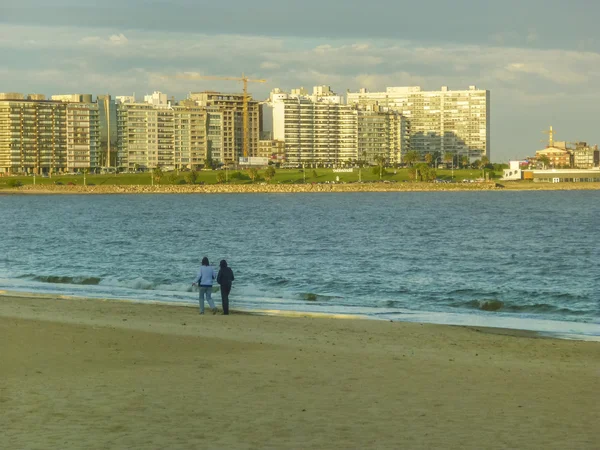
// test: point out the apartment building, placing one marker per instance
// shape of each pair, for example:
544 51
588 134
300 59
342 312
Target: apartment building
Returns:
381 134
33 134
320 128
151 136
83 137
317 129
319 133
443 121
585 156
272 149
231 106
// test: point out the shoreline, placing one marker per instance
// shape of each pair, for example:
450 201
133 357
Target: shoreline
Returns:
89 374
490 324
297 188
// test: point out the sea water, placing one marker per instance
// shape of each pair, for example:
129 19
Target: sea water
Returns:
525 260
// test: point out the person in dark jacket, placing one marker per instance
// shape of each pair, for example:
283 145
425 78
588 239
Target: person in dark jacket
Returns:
225 279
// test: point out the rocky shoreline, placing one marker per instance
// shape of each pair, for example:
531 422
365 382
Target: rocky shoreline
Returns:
263 188
251 188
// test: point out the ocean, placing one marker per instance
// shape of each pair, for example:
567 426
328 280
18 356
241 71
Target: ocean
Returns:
526 260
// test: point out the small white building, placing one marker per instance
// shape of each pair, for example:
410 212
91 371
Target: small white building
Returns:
514 171
157 98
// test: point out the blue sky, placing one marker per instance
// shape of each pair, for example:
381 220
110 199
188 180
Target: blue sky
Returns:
540 59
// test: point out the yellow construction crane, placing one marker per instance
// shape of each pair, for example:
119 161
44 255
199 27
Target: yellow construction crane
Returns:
550 134
243 79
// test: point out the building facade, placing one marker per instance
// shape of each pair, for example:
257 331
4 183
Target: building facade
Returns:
585 157
231 106
381 134
83 137
151 136
33 136
319 133
443 121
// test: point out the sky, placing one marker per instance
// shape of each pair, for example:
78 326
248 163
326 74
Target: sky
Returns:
539 58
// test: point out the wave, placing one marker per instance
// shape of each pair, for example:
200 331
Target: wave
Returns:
311 297
493 305
57 279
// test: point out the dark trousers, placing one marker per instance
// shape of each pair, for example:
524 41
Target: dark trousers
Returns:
225 290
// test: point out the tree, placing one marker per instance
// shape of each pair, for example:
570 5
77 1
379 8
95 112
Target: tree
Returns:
253 174
464 161
220 177
192 177
485 161
208 163
380 160
157 173
361 162
172 178
422 172
269 173
449 157
411 157
429 158
544 160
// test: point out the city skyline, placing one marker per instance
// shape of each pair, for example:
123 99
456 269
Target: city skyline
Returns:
538 74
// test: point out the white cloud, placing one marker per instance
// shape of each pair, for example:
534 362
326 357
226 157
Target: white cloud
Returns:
58 60
118 39
270 65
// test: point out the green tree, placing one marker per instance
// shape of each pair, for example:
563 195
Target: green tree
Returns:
544 160
429 158
411 157
485 161
192 177
464 161
449 157
157 173
172 178
208 163
220 177
253 174
269 173
380 160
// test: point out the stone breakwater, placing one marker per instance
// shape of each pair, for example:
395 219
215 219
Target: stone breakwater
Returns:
253 188
260 188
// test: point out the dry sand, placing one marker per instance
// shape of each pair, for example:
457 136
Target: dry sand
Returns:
93 374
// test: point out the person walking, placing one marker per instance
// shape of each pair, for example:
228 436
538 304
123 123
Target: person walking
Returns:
225 279
205 279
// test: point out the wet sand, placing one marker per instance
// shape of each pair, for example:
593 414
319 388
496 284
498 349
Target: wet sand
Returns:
93 374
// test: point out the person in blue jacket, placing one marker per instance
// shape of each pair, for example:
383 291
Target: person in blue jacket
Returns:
225 279
205 279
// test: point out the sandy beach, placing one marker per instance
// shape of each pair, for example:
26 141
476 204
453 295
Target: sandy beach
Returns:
94 374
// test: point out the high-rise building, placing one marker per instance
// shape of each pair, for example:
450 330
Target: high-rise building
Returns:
320 133
151 136
107 116
443 121
381 134
321 129
83 136
33 135
231 106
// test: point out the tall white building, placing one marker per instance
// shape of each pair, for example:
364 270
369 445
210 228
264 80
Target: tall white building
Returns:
441 121
321 129
316 129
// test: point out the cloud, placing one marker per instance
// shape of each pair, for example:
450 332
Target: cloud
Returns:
270 65
118 39
125 61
